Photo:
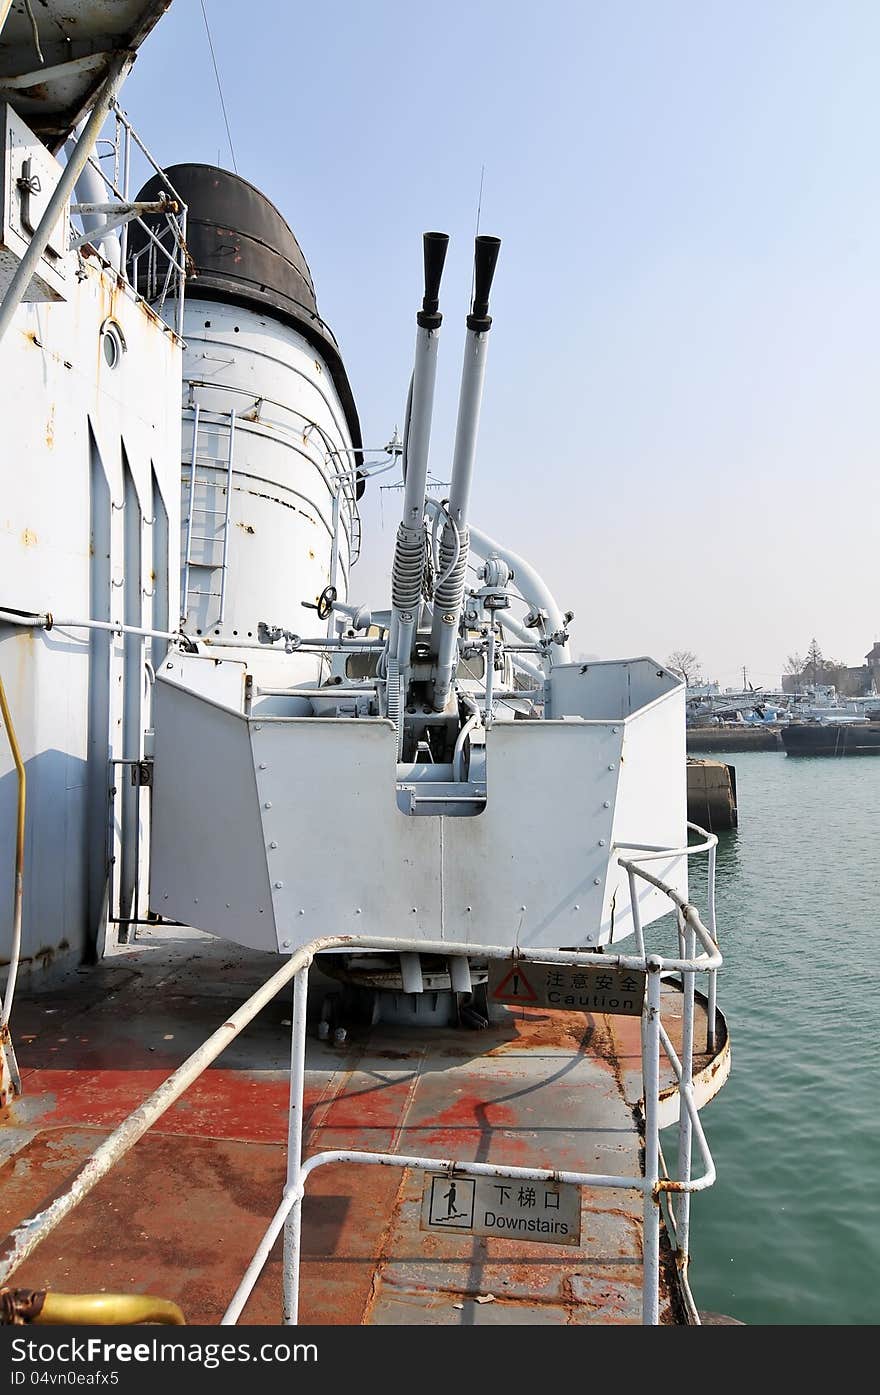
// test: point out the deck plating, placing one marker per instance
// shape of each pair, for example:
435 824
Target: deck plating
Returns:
182 1212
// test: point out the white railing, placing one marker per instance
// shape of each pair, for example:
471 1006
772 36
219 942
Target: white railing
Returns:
693 960
158 270
334 465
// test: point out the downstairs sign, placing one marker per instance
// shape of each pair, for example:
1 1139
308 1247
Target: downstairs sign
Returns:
543 1211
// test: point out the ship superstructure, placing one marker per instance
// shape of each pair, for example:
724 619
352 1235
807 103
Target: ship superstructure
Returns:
420 794
91 487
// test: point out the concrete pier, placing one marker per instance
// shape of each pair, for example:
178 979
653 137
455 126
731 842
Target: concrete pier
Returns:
711 794
733 738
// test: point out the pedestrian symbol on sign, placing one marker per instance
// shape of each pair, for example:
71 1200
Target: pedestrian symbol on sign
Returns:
452 1202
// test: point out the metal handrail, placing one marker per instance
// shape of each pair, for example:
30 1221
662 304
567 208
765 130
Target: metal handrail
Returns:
24 1239
652 1186
650 852
334 482
174 258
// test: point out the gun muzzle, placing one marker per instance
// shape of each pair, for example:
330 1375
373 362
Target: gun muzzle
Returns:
434 246
486 251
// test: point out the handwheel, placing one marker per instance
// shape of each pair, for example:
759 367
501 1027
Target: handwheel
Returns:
325 601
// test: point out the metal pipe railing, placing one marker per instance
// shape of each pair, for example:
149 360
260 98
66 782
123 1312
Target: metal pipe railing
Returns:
651 1185
187 548
118 68
530 585
32 1231
25 1238
290 1282
713 931
683 1203
51 622
636 913
652 852
650 1209
175 256
224 563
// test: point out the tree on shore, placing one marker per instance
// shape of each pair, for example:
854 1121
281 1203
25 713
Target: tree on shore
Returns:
794 668
686 663
815 668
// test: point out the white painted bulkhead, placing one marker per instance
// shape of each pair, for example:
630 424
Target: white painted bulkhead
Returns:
256 814
89 523
291 458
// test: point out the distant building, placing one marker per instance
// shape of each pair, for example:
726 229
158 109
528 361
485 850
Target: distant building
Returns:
855 682
861 681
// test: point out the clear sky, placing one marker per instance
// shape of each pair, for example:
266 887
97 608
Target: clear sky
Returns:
680 426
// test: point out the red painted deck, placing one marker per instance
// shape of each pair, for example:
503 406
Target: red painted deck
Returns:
181 1215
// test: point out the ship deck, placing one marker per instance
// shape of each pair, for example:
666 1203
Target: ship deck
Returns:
182 1213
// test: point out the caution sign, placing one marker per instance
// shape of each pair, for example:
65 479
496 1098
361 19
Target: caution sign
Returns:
514 987
573 988
546 1212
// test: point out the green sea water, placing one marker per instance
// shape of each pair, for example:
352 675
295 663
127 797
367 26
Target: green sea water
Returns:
790 1233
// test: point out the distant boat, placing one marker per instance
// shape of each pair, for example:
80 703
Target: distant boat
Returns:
837 738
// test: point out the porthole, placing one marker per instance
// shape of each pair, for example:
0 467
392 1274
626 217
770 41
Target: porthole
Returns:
113 344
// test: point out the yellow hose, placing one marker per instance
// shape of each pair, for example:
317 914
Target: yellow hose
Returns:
15 950
107 1309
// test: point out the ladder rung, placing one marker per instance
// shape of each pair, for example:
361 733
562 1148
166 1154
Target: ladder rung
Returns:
203 537
208 566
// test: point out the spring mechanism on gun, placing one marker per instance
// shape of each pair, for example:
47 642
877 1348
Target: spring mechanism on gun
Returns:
410 556
449 593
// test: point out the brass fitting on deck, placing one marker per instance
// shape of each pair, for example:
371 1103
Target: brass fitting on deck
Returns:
21 1306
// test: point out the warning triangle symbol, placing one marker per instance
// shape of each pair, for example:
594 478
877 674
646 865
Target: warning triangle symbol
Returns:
516 986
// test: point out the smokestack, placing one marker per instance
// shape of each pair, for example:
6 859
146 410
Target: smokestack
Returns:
454 542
